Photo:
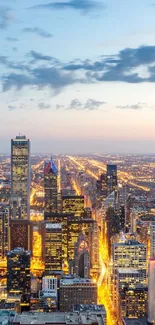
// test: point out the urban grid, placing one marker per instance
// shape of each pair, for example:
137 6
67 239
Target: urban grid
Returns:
77 238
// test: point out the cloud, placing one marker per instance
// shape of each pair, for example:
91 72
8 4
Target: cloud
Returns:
89 105
129 65
93 104
133 107
38 31
12 39
36 56
125 66
84 6
5 17
11 108
43 106
51 77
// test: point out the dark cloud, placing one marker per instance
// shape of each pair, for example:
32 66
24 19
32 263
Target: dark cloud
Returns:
5 17
124 67
90 105
133 107
38 31
40 78
120 67
84 6
43 106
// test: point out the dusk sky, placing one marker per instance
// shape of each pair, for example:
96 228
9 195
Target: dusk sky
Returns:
78 75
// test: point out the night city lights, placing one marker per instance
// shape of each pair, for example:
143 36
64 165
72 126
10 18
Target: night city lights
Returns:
77 162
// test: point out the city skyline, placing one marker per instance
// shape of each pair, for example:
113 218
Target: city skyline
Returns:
78 75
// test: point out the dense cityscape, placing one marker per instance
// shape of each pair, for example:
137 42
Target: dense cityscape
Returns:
77 238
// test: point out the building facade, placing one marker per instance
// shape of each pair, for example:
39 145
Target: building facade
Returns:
51 186
20 173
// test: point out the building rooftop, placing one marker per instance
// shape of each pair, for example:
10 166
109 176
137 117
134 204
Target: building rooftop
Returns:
76 280
127 271
89 308
134 321
129 243
57 318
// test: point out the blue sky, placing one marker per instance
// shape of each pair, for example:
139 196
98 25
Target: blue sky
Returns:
78 75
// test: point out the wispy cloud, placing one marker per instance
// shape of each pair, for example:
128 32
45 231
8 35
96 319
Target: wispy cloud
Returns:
135 107
38 31
84 6
36 56
90 105
43 106
5 17
12 39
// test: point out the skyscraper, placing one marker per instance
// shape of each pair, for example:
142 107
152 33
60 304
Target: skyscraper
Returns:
152 240
20 234
52 238
151 276
73 204
82 258
4 222
51 186
20 173
111 178
18 274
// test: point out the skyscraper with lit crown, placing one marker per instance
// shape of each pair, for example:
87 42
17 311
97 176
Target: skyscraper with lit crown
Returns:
51 186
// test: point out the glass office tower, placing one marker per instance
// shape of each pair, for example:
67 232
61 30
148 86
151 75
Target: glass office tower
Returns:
20 173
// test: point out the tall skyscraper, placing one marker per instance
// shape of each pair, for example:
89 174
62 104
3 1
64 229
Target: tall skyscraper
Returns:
20 234
73 204
151 291
82 258
52 238
152 240
20 173
111 178
151 276
18 274
4 223
51 186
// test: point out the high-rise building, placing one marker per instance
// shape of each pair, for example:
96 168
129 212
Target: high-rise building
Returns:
152 240
101 186
82 258
131 293
60 218
52 238
20 173
111 179
151 276
73 204
133 302
49 294
130 254
113 224
51 186
151 291
4 224
18 275
75 291
20 234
